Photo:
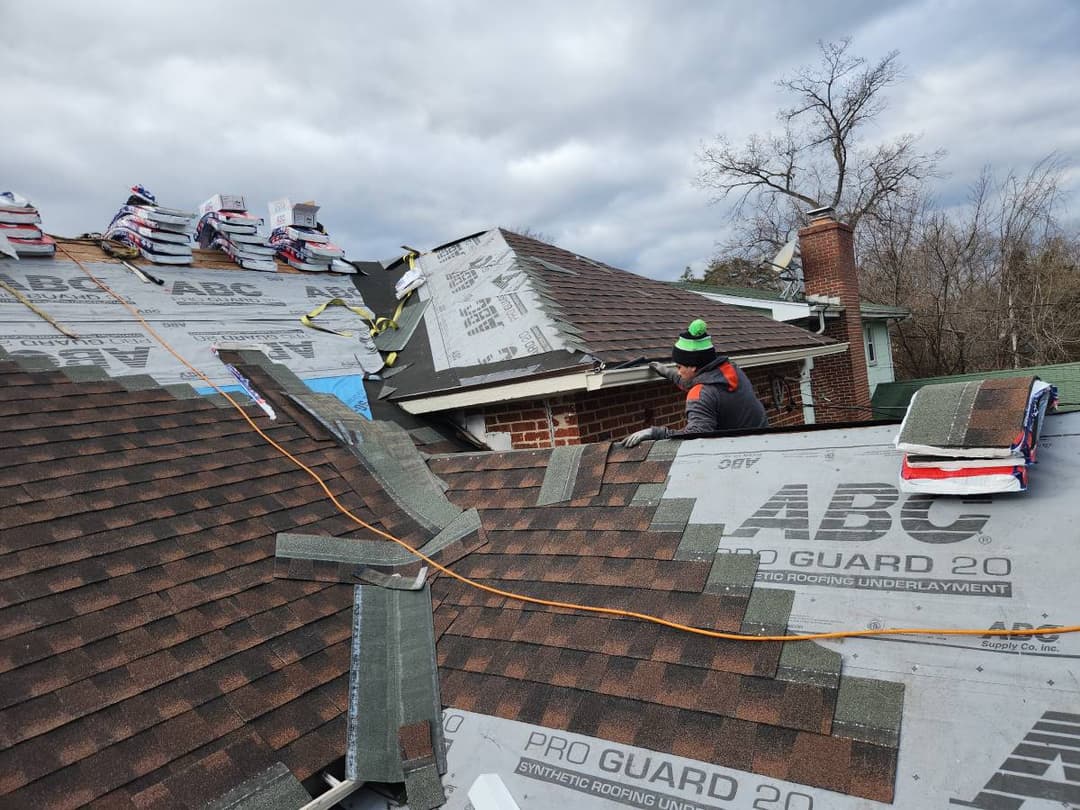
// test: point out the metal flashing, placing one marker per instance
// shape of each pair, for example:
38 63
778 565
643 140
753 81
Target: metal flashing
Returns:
560 475
672 515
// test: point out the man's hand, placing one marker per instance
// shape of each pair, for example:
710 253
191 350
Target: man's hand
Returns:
634 439
667 373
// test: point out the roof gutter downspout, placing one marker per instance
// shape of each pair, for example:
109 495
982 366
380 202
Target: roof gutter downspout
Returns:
806 391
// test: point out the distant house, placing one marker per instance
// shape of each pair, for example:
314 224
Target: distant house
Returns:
526 345
808 314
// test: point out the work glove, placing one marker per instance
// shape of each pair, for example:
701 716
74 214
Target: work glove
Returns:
664 371
634 439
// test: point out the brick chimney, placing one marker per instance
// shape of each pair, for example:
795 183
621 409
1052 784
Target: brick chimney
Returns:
839 382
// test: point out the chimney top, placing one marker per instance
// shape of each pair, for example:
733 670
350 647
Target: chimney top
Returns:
823 213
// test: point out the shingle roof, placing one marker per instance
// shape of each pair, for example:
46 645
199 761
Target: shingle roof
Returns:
624 316
721 702
150 657
143 631
604 314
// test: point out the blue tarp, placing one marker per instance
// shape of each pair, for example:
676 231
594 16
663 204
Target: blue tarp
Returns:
349 389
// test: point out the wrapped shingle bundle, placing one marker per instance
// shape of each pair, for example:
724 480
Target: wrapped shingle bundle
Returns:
20 227
162 235
225 224
974 437
299 240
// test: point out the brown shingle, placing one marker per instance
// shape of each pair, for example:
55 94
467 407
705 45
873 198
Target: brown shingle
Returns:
603 302
146 635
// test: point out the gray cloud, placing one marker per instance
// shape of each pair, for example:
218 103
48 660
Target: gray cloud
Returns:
422 122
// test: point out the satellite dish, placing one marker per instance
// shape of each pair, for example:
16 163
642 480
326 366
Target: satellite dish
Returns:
782 259
791 275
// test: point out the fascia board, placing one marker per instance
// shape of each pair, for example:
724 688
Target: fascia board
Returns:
588 381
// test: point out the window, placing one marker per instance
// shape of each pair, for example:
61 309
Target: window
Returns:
871 352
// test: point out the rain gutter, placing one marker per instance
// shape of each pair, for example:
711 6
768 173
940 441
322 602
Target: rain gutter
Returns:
591 380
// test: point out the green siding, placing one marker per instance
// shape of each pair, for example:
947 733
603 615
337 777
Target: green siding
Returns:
880 371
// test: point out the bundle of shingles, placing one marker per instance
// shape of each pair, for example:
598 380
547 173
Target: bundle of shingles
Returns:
225 224
976 437
20 234
300 240
162 235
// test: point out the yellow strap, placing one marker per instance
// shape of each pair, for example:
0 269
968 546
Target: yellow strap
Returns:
306 320
380 325
22 299
119 250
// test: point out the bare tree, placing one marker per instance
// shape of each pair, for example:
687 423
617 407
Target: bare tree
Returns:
532 233
818 158
1025 218
990 284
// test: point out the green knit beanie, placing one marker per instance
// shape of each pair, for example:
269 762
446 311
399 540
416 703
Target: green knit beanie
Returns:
694 346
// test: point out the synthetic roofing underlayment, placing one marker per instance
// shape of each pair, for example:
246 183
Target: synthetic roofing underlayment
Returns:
195 309
177 617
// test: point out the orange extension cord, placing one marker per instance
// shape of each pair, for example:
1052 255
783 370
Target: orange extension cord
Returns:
629 614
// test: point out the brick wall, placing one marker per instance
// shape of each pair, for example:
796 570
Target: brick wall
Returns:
839 382
613 413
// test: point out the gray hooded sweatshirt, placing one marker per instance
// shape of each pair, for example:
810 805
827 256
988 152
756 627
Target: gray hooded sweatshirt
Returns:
719 397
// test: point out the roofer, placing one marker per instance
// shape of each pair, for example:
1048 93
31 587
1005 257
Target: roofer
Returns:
719 396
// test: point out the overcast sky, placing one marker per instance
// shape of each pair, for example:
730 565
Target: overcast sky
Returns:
416 123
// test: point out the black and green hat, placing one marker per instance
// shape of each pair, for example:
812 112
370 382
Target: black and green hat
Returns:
694 346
